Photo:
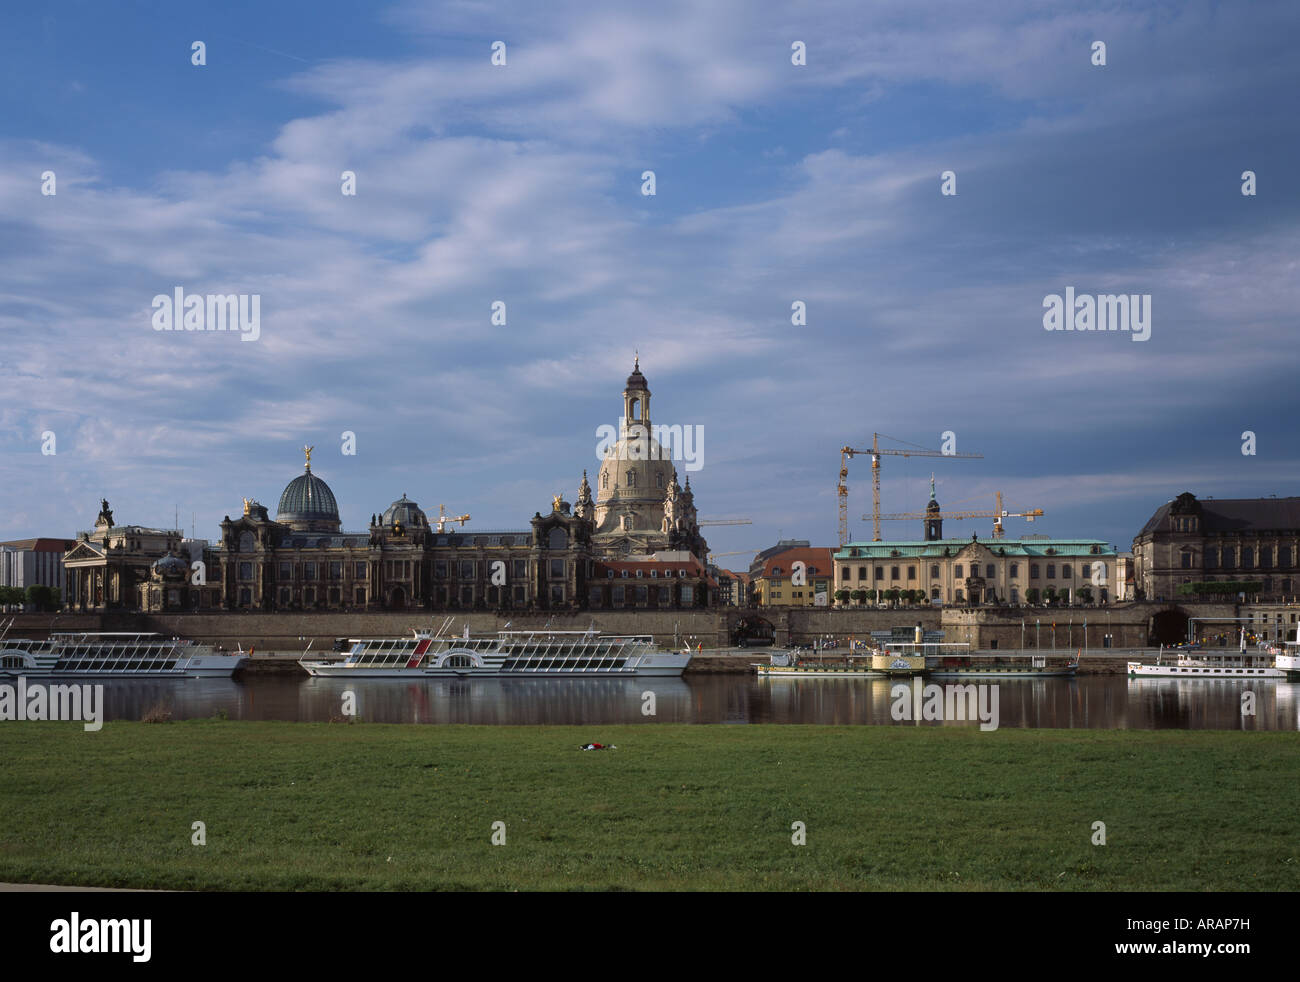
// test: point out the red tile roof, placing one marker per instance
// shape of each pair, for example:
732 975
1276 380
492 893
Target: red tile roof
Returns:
818 562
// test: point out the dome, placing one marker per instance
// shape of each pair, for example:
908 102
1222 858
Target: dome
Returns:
636 380
170 566
308 504
405 511
635 468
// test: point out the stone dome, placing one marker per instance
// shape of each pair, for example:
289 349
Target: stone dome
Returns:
308 505
405 511
636 468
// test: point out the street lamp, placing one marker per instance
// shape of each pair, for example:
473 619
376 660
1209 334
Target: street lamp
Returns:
1037 633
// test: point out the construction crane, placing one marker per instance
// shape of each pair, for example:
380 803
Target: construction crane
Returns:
725 521
738 552
997 515
444 519
842 489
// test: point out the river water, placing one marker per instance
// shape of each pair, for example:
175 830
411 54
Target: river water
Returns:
1088 702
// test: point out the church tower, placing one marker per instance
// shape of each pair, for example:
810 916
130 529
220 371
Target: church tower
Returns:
933 523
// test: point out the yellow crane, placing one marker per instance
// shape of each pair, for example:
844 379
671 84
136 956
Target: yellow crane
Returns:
997 515
725 521
842 489
738 552
444 519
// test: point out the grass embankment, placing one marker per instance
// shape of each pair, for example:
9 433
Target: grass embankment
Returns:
318 806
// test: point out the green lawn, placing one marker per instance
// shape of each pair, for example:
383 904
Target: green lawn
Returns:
302 806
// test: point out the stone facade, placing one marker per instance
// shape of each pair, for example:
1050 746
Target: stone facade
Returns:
971 572
1218 540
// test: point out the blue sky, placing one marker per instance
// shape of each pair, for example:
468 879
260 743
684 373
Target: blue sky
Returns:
521 183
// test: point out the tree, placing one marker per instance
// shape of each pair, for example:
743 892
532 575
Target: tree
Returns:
859 596
1085 594
842 596
1032 594
892 595
1050 594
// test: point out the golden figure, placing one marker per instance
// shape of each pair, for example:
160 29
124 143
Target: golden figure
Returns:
307 451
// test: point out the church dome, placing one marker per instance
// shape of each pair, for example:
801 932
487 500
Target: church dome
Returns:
405 511
308 504
634 469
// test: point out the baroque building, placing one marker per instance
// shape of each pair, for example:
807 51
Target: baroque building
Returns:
640 506
969 572
106 567
304 560
1219 540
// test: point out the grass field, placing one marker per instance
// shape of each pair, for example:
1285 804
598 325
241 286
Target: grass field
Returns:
387 807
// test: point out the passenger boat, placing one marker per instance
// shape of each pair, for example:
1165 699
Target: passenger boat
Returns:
1288 661
1036 668
785 664
522 654
109 654
1259 664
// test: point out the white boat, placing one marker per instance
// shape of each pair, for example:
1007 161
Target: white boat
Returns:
105 654
1260 663
519 654
1288 659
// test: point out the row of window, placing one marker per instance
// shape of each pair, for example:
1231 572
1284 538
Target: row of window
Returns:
620 596
395 569
958 571
1227 557
654 573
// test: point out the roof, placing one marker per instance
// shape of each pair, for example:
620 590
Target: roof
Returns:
665 567
41 544
1236 515
307 496
818 562
915 548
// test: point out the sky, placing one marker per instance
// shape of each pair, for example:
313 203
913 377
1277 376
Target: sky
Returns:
522 184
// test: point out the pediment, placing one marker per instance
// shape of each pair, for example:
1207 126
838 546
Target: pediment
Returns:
82 551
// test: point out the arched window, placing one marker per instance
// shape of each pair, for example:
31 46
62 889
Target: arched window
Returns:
636 408
558 539
631 479
604 482
659 480
246 542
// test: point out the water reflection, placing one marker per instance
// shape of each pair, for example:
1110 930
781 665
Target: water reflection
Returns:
1091 702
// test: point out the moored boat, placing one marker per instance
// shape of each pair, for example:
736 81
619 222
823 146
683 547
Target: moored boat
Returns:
1037 667
105 654
1194 663
522 654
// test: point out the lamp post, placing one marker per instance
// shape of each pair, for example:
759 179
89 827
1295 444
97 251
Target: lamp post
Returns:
1038 628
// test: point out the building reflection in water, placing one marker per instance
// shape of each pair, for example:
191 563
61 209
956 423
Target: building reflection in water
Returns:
1089 702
